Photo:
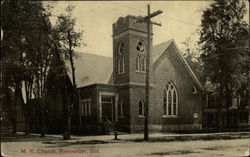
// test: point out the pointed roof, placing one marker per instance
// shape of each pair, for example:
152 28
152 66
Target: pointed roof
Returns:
90 69
161 48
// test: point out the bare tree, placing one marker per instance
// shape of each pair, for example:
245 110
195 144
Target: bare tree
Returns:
69 38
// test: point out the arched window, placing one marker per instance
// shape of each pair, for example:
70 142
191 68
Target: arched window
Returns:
120 65
174 103
164 102
138 63
143 64
170 100
123 65
141 109
141 59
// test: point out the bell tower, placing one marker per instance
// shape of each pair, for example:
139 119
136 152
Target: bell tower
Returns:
129 73
129 51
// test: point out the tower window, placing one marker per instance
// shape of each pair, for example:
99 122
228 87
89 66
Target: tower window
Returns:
141 109
143 64
121 48
120 65
170 100
138 63
141 46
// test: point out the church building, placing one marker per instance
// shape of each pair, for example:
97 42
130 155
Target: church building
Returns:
111 90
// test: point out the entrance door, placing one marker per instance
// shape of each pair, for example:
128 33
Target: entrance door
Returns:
107 112
107 108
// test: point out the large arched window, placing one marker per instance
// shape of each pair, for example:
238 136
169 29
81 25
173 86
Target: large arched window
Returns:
170 100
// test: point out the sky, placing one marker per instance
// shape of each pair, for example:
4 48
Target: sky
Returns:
180 20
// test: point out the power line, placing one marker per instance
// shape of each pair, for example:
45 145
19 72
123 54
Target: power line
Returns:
127 6
174 19
183 21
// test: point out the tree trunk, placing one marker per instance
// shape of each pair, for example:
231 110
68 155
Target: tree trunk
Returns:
27 127
67 134
42 119
14 123
70 105
237 120
220 108
14 109
41 104
229 103
14 116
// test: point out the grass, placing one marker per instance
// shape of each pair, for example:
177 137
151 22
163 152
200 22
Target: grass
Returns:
228 136
174 152
215 148
27 138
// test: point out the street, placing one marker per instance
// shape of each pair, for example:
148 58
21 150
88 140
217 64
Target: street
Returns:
105 146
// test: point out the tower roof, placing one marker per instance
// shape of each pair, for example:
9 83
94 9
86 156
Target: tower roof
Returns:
128 22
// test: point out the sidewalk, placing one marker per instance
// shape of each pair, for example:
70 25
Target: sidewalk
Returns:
135 137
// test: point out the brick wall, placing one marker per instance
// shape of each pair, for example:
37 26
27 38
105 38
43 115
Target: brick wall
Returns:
171 68
124 122
88 124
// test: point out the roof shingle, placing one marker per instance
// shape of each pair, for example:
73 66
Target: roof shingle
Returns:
90 69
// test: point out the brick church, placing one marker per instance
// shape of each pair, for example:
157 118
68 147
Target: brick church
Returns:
112 89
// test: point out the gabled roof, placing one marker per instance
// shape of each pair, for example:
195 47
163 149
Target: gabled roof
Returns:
90 69
93 69
161 48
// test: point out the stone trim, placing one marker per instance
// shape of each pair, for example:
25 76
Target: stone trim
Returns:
129 31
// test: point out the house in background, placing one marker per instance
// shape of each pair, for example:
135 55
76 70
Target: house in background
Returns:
234 117
111 90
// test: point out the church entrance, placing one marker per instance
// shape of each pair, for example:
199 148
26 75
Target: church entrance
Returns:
107 108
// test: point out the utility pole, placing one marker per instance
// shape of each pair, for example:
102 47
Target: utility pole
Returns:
147 20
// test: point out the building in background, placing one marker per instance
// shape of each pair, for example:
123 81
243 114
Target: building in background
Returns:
234 117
